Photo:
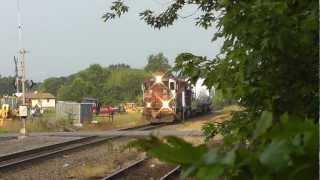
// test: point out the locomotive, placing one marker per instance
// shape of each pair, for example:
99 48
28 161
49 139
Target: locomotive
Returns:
169 99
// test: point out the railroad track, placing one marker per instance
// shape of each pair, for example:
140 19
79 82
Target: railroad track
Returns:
146 168
143 127
41 153
45 152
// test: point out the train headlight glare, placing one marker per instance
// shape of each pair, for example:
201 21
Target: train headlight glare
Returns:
148 105
165 104
158 79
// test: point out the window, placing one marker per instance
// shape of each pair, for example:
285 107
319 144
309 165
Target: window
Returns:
171 85
145 86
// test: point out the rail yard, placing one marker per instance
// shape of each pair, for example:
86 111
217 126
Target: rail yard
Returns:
167 101
76 155
200 90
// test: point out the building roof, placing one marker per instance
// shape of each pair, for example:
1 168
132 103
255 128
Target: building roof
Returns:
39 95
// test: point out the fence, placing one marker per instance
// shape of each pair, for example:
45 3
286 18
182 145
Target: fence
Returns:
77 112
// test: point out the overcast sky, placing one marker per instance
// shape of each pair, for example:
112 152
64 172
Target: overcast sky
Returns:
63 37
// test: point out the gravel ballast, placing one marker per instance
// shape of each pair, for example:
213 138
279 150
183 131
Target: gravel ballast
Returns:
91 163
14 145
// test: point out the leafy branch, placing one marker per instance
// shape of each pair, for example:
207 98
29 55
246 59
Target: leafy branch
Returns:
282 151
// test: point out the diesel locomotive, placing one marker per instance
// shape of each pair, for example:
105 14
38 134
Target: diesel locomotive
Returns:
168 99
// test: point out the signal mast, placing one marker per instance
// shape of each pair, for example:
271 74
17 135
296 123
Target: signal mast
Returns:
20 62
21 74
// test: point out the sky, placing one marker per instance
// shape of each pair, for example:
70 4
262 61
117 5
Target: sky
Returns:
63 37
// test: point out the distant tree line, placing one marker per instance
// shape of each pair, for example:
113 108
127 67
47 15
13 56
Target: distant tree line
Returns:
108 85
8 85
112 85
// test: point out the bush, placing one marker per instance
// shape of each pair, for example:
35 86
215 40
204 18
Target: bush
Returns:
284 150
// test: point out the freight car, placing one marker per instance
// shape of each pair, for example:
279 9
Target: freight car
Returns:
169 99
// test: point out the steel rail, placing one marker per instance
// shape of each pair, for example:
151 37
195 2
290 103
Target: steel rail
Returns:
125 170
142 127
119 174
44 152
43 148
24 157
174 173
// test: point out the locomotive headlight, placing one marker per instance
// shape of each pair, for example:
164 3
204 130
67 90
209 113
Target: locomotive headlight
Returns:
158 79
148 104
166 104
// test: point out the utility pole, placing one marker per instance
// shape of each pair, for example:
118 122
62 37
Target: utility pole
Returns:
21 73
17 74
21 57
22 53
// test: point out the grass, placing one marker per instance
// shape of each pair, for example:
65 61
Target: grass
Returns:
230 109
221 115
49 123
3 131
119 121
45 123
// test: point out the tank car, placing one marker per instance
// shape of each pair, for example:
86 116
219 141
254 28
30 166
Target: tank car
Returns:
169 99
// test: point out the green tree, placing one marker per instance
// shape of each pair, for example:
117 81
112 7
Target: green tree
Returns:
123 85
7 85
118 66
157 63
75 91
52 85
95 76
112 85
221 99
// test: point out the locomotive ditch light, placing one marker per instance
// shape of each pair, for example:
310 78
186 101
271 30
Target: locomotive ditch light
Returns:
166 105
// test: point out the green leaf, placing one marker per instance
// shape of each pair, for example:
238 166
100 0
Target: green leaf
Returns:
284 118
210 172
289 129
276 155
211 157
188 172
263 177
209 130
263 124
229 158
171 149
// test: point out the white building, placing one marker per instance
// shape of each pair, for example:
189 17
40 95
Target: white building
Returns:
42 100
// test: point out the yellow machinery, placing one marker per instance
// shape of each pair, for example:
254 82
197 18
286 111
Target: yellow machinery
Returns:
4 111
130 107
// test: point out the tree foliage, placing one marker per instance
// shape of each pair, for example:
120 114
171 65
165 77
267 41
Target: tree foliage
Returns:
259 61
285 151
119 66
269 63
7 85
52 85
124 85
75 91
157 63
112 85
